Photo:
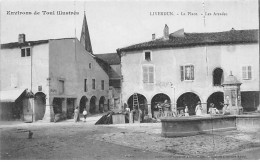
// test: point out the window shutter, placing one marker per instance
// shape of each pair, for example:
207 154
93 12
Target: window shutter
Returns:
145 74
22 52
151 74
28 52
182 73
192 72
244 72
249 72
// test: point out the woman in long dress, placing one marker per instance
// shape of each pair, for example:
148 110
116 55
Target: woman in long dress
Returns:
76 114
198 109
213 110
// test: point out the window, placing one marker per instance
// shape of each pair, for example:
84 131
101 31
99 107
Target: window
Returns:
247 72
147 56
93 84
90 65
148 74
217 77
28 52
85 85
187 72
61 86
102 85
25 52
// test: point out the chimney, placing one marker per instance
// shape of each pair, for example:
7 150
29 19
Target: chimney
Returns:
153 36
21 38
166 31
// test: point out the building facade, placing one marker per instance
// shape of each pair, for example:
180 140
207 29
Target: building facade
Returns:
41 79
114 72
184 68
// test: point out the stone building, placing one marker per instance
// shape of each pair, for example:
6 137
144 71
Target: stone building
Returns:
185 68
113 68
46 77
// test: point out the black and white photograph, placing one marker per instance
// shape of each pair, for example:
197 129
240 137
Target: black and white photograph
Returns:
129 80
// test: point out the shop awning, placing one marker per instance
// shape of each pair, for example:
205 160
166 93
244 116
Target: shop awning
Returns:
10 95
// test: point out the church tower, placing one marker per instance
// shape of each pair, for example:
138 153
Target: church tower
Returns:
85 37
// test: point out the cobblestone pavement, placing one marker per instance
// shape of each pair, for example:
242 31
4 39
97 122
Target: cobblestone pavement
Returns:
69 140
147 137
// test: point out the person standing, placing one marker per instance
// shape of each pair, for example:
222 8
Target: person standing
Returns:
225 110
198 109
213 110
76 114
85 114
186 111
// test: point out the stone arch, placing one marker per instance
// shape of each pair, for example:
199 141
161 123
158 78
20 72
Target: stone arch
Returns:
83 103
217 98
142 103
157 99
92 106
190 99
217 76
101 104
39 105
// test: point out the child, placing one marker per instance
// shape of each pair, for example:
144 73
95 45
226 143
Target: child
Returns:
85 114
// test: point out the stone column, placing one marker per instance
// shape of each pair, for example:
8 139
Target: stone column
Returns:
204 107
149 110
49 114
31 106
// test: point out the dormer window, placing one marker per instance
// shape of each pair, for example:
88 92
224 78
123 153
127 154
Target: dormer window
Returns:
25 52
147 56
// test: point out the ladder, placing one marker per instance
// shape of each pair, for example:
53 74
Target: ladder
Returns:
135 101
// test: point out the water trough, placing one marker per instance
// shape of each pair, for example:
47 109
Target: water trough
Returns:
193 125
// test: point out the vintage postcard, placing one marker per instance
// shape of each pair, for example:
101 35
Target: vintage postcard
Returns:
129 80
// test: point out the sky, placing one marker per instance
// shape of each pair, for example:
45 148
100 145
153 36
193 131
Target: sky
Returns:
116 24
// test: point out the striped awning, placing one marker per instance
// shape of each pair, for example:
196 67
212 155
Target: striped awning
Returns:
10 95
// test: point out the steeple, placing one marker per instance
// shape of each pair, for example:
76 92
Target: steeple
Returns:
85 37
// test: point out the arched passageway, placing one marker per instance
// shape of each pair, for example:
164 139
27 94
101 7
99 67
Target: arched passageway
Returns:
190 99
39 105
217 98
92 107
160 99
142 103
83 104
101 104
57 105
218 77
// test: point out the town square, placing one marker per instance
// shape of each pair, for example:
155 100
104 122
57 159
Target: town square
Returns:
123 80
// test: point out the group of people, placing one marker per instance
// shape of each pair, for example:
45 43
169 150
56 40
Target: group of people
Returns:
200 111
212 109
76 114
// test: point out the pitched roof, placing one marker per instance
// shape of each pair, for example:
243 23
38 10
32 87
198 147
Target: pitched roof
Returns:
28 43
110 58
105 66
196 39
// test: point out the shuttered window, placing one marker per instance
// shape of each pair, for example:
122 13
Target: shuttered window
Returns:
182 73
148 74
247 72
187 72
